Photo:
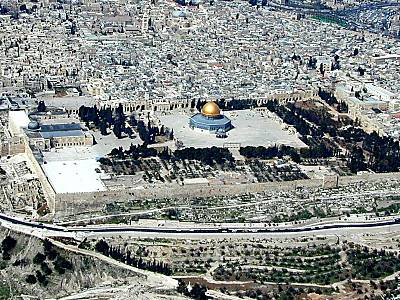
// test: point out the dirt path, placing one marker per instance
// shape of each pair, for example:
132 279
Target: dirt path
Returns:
153 280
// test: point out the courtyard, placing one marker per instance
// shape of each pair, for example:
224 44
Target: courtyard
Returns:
251 128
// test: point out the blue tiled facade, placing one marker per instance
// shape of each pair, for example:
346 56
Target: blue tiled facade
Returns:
212 124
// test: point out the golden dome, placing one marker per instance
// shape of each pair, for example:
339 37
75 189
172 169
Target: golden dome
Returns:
211 109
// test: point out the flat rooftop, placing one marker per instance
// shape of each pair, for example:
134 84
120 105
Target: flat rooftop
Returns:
73 169
251 128
73 176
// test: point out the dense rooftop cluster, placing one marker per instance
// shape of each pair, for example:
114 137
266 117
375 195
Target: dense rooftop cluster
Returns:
223 50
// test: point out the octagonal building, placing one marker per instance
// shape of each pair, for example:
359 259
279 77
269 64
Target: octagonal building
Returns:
210 119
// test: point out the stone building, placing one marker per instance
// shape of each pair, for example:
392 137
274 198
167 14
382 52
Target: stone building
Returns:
211 120
45 137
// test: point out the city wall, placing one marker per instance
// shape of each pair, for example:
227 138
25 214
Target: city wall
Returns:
47 188
75 203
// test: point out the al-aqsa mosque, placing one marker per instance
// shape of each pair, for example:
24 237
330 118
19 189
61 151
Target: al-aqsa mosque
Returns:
210 119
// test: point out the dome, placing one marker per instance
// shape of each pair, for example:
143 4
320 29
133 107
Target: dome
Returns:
211 109
33 125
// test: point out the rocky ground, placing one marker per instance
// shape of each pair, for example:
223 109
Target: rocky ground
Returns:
31 266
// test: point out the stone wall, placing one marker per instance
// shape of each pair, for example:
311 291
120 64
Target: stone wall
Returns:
75 203
47 188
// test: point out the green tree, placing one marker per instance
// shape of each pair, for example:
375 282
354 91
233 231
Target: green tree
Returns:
8 243
102 247
39 258
41 106
31 279
182 288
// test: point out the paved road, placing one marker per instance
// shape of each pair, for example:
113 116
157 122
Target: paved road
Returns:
344 12
49 229
369 6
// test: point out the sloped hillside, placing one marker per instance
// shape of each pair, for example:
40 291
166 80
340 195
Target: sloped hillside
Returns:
38 268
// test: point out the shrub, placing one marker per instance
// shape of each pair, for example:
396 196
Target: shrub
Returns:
39 258
31 279
8 243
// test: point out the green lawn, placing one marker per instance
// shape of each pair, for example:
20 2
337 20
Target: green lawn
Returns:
329 20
